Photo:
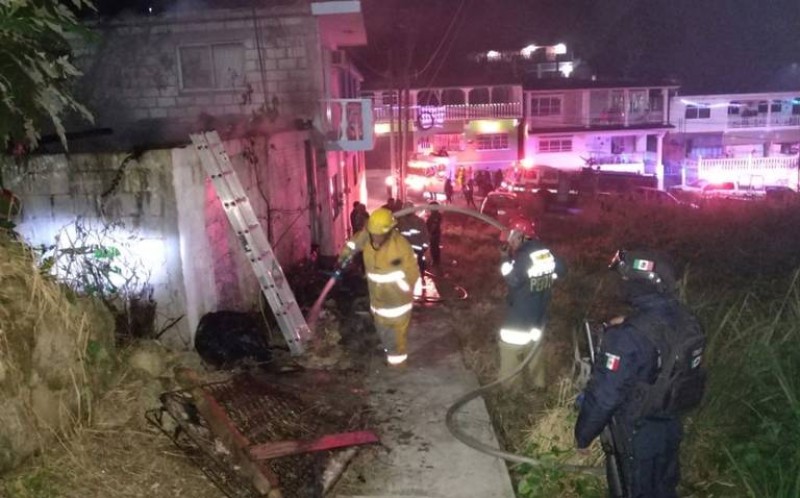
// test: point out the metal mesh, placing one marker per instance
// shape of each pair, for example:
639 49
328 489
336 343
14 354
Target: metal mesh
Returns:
264 411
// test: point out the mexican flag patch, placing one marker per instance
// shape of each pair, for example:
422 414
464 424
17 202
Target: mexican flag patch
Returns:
643 264
612 362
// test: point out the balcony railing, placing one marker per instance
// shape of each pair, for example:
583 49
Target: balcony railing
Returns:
761 121
454 112
347 124
776 170
612 117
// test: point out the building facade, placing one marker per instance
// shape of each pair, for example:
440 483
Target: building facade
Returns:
752 139
272 78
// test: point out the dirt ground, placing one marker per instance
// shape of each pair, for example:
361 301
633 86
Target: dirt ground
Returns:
116 454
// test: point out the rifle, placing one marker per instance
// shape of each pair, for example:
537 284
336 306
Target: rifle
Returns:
614 473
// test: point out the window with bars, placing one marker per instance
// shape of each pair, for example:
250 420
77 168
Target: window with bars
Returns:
492 141
545 106
697 112
447 141
211 67
555 144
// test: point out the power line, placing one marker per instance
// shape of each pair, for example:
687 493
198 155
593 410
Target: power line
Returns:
443 59
444 38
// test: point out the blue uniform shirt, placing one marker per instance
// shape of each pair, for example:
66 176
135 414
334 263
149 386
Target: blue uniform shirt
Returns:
530 275
626 356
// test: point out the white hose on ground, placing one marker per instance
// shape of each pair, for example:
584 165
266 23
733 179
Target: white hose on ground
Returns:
473 443
313 314
466 398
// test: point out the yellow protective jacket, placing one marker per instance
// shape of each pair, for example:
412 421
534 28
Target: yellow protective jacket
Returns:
391 272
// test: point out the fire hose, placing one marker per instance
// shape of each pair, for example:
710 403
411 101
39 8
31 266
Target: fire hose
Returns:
473 443
316 309
450 422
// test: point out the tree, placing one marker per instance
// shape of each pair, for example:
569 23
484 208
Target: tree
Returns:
36 69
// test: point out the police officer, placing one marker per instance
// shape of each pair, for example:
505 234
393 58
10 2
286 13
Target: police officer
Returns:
646 444
529 269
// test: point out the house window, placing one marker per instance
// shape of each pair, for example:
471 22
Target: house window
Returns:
555 144
211 67
796 106
762 107
733 108
492 141
776 106
545 106
447 141
698 112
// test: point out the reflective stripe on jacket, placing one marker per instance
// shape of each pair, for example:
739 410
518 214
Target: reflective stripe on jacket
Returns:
391 273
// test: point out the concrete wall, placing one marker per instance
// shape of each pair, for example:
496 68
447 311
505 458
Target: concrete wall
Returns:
217 273
167 214
139 205
133 83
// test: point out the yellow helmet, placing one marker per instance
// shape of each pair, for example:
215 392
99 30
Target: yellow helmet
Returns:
381 221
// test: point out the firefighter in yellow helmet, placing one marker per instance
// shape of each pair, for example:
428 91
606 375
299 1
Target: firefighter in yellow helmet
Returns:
391 268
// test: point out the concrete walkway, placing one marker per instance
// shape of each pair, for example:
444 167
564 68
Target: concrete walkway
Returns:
418 457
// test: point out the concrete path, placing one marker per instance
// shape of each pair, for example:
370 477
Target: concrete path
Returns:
418 457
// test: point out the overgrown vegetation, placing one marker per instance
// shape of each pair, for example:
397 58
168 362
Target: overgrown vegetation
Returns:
36 69
740 261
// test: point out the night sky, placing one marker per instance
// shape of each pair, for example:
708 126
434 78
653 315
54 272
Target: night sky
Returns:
706 45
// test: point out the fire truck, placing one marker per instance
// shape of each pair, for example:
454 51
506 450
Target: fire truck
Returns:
426 174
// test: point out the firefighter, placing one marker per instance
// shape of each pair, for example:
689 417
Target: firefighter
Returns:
391 270
530 270
646 434
414 229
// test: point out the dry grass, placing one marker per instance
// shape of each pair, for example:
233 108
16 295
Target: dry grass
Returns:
115 455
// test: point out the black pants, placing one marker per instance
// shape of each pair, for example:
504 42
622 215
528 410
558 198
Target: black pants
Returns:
651 468
436 253
421 263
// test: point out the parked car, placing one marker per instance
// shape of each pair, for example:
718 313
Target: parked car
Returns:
644 195
504 206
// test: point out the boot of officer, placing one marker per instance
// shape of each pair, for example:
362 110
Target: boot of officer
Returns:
647 444
530 270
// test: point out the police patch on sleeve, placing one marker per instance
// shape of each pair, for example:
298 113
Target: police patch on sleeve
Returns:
612 362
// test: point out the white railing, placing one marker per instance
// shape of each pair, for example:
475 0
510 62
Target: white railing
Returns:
761 121
347 124
457 112
776 170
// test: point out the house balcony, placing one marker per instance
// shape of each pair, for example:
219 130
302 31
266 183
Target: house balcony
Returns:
437 115
347 124
617 117
633 162
775 170
764 121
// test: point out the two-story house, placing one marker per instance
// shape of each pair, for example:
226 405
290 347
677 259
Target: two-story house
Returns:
613 126
752 139
272 78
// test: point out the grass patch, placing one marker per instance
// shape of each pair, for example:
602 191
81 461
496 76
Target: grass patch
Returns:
739 260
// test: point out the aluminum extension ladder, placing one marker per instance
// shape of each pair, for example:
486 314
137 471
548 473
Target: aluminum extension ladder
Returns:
251 235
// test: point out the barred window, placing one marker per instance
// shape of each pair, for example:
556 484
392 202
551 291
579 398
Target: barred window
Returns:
209 67
492 141
545 106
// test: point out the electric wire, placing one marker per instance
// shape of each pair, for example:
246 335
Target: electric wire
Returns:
444 38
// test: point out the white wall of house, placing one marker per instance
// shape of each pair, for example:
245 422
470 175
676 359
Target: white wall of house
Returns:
735 112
